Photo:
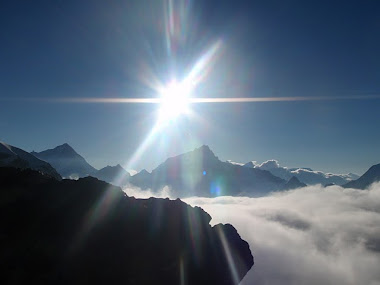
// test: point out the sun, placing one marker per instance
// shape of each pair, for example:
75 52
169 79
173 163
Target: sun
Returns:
174 101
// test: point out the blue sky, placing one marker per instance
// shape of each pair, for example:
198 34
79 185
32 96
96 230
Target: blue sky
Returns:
60 49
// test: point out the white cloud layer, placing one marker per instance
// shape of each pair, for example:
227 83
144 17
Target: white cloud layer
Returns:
134 191
312 235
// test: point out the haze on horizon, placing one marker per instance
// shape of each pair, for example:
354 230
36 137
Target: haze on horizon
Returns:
93 49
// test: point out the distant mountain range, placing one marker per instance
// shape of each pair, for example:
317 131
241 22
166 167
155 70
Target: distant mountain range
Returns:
72 165
115 175
15 157
201 173
66 161
195 173
304 175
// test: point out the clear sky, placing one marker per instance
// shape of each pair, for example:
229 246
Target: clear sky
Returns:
50 50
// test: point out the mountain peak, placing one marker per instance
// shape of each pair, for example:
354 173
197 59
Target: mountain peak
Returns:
16 157
5 148
206 151
293 179
116 167
294 183
202 153
144 171
65 147
200 173
205 146
370 176
250 164
66 161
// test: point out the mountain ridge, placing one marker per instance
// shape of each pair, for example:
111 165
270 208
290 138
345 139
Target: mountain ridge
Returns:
16 157
115 175
304 174
370 176
66 161
201 173
87 231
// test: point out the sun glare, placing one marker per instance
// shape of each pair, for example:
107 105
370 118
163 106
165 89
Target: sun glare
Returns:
174 101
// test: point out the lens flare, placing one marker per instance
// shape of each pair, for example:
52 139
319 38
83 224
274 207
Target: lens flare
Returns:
174 101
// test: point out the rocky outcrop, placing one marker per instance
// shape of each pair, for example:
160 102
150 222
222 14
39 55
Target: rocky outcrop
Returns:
90 232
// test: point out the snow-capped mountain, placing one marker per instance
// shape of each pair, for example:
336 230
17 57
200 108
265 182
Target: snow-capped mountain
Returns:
115 175
304 175
372 175
66 161
15 157
201 173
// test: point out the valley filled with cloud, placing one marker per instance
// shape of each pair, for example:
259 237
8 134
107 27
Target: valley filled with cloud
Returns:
311 235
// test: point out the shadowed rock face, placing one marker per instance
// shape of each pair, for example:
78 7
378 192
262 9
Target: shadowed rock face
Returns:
90 232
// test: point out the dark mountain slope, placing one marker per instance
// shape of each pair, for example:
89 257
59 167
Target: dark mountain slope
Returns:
11 156
372 175
90 232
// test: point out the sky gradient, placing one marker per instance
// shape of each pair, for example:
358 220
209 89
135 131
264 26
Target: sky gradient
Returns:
78 49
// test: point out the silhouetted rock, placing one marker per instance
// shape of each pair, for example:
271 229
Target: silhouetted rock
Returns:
90 232
66 161
201 173
294 183
372 175
115 175
11 156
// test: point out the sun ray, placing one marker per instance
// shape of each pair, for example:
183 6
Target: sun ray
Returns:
143 146
116 100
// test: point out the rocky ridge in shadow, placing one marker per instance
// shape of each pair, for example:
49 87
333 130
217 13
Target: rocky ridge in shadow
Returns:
90 232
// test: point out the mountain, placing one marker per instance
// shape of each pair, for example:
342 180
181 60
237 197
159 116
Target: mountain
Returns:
115 175
89 232
304 175
66 161
372 175
201 173
142 179
294 183
15 157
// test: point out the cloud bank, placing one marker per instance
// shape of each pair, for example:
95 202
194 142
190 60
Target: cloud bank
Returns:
137 192
312 235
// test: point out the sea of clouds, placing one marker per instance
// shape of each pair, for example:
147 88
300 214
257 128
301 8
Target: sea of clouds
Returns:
312 235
